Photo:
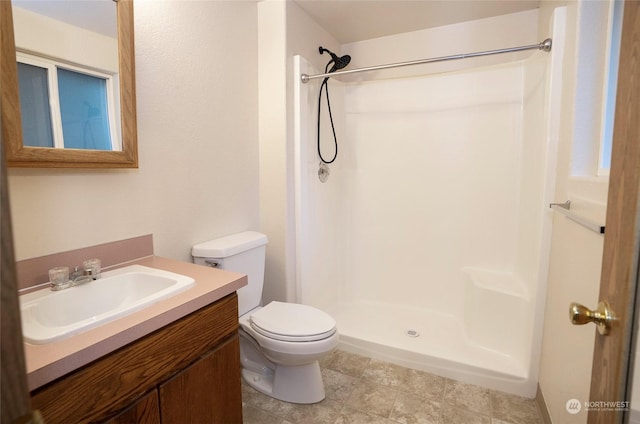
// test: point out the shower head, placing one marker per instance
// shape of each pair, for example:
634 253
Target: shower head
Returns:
338 62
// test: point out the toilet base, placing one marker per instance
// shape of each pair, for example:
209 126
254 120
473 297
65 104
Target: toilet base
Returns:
299 384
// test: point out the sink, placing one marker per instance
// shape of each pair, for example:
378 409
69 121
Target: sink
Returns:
48 315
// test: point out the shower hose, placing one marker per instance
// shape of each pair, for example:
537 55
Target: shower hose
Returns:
333 129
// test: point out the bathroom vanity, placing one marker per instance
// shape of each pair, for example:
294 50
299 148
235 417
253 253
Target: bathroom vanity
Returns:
176 361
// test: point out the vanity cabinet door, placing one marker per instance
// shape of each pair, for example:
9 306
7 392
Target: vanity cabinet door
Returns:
145 410
208 391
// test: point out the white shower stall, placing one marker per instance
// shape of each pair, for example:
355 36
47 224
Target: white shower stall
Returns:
429 241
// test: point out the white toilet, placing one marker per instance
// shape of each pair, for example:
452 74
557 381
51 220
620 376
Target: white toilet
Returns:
280 343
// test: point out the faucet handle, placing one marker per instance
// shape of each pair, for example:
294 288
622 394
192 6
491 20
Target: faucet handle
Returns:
93 265
59 278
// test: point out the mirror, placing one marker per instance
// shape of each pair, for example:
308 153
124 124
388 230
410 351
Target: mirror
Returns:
19 155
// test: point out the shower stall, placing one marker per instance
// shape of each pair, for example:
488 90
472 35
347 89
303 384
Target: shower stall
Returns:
428 242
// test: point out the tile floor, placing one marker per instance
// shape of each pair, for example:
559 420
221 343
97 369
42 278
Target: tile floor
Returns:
364 390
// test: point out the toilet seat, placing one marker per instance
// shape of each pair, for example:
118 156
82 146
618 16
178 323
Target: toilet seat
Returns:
292 322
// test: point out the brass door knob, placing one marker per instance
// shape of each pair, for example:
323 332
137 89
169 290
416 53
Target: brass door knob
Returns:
602 317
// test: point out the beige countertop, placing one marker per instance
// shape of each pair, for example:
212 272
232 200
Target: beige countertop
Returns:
49 361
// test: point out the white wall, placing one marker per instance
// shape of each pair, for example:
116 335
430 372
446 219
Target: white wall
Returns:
576 253
285 30
322 208
515 29
275 210
433 183
197 76
321 236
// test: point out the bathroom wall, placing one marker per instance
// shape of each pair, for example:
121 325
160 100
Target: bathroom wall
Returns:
321 207
197 93
433 183
576 253
275 202
284 31
464 37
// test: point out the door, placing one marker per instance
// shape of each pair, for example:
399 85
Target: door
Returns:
622 238
15 405
204 393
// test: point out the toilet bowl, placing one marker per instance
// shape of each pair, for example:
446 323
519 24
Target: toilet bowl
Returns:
280 343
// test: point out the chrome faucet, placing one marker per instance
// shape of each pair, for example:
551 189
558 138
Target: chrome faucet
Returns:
61 279
81 276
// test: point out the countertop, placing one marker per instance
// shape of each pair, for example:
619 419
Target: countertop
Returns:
49 361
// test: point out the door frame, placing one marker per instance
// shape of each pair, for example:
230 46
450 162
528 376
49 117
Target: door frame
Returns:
610 374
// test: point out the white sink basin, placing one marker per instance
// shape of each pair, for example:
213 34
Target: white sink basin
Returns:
48 315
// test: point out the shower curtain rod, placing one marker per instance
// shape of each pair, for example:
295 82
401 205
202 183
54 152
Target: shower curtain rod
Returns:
544 46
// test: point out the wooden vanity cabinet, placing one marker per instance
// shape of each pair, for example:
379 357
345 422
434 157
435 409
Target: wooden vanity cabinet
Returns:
185 372
195 385
145 410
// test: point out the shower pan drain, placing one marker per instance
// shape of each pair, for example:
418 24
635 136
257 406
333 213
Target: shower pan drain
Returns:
412 333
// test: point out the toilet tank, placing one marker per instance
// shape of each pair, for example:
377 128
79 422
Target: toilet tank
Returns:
243 253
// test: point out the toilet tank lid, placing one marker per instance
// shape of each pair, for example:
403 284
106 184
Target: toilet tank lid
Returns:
230 245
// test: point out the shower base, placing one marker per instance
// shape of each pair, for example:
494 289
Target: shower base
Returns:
430 341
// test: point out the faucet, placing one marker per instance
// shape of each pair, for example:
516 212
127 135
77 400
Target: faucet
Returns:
81 276
61 279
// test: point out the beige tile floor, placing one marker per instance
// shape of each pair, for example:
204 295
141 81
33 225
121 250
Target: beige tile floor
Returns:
364 390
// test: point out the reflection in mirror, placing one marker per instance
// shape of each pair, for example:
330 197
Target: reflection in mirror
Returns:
67 73
75 78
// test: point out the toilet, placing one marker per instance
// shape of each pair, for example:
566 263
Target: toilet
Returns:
280 343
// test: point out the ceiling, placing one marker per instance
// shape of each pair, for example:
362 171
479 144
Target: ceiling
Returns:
347 20
356 20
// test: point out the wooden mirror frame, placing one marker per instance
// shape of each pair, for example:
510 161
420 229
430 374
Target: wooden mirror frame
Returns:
18 155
